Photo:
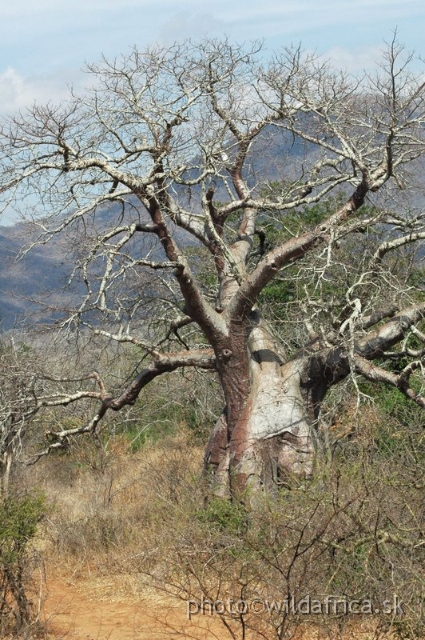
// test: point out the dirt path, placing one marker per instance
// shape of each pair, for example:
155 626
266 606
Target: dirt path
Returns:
93 609
74 612
96 609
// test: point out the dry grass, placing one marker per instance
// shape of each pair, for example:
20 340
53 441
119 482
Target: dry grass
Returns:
108 506
134 525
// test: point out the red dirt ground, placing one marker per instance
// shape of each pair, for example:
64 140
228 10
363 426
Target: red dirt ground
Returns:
105 608
72 611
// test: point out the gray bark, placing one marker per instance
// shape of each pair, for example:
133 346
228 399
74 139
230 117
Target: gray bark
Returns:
271 438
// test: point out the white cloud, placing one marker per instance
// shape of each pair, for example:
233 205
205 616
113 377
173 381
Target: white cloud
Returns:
18 92
13 93
354 61
43 44
193 25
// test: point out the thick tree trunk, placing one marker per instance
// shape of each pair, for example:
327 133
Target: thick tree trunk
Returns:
265 435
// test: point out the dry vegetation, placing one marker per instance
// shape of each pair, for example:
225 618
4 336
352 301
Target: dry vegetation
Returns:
135 524
289 284
131 519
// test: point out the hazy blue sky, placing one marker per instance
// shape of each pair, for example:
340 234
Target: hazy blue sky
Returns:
45 43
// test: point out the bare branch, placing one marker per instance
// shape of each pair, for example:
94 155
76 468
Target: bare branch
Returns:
374 344
162 364
374 373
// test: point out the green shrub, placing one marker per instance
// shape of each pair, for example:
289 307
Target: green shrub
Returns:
224 515
19 517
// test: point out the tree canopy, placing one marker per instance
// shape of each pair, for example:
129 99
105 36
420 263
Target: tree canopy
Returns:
199 182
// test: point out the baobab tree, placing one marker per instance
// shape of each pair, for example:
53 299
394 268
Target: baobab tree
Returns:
197 174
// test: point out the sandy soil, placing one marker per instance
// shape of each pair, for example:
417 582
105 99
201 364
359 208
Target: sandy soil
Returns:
74 610
105 608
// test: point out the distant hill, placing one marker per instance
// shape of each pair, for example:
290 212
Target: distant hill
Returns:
41 274
35 287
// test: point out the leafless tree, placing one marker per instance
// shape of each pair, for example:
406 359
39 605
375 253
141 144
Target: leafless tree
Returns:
27 385
188 173
18 388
